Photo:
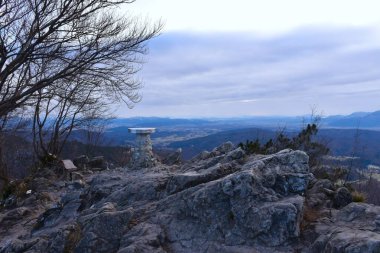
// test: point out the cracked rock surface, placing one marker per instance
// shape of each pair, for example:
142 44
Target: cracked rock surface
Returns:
220 201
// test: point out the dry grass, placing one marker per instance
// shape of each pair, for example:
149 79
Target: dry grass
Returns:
72 239
358 196
20 189
310 216
17 188
369 189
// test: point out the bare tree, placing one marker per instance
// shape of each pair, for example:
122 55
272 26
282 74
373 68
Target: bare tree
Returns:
10 127
49 44
4 174
94 128
44 42
354 153
60 110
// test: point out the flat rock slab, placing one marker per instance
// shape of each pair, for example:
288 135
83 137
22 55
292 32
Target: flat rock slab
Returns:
145 130
221 201
69 165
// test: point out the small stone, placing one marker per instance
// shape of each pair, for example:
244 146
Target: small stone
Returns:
10 201
75 185
81 161
76 176
342 197
98 162
224 148
173 158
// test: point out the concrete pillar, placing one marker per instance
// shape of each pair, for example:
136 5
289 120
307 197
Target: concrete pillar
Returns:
142 156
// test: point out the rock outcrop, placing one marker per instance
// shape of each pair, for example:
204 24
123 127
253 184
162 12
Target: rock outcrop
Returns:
355 228
220 201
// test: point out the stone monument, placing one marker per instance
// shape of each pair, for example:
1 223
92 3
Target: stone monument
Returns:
142 155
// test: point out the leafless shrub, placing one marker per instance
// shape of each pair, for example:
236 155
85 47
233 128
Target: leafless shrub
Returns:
17 151
60 110
94 127
369 190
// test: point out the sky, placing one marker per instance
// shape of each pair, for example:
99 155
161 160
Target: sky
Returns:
218 58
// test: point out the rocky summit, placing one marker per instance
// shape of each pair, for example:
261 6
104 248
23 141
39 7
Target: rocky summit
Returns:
219 201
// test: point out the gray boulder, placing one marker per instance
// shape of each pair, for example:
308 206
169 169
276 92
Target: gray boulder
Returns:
220 201
173 158
97 163
101 231
353 229
320 194
342 197
81 161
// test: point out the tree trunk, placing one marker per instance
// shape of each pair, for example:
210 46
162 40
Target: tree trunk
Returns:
4 179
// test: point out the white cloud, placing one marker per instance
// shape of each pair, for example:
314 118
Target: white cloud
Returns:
235 74
267 17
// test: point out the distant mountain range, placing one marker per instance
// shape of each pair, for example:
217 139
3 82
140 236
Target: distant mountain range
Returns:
361 120
342 142
357 134
157 122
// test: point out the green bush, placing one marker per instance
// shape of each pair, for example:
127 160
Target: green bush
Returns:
7 191
17 188
304 140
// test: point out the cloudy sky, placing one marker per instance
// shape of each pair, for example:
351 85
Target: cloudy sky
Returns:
219 58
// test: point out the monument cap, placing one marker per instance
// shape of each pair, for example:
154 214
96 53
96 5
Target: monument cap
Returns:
142 130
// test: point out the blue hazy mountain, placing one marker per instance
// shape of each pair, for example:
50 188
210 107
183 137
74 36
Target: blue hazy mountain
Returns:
342 142
356 120
361 120
196 135
156 122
